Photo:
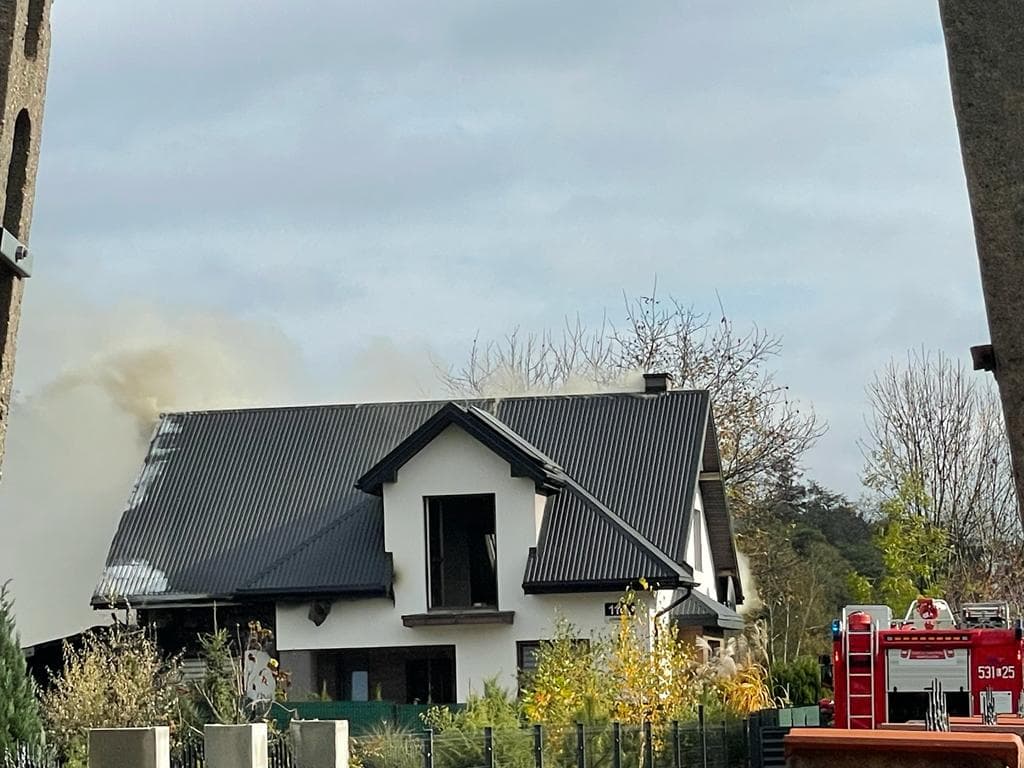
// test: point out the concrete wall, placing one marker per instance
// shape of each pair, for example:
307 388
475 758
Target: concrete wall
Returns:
454 463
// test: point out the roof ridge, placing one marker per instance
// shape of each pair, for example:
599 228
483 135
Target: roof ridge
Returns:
303 545
441 401
646 544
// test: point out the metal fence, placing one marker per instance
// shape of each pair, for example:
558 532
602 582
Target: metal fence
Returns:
192 754
25 756
615 745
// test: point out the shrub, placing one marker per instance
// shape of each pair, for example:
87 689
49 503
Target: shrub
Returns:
117 679
19 713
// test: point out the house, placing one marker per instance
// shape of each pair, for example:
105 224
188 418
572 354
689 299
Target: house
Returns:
412 550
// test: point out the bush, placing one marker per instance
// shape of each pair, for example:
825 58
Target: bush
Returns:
799 682
460 743
19 714
117 679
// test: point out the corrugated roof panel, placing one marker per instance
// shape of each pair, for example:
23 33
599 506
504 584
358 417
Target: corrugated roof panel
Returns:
246 498
699 610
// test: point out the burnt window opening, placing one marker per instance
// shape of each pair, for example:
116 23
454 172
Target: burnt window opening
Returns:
17 174
33 27
462 552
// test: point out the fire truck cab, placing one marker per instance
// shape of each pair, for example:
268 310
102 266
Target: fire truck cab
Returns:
883 669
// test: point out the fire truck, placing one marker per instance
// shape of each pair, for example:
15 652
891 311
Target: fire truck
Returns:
883 669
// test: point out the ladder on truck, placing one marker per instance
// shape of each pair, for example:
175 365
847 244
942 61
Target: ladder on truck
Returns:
860 647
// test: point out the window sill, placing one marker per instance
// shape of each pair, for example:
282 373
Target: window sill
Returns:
456 616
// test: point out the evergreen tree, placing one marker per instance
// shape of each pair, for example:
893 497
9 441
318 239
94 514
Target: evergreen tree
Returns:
19 710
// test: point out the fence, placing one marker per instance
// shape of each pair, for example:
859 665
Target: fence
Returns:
29 757
402 742
362 716
674 745
192 754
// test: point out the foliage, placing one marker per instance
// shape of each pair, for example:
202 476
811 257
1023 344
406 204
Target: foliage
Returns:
19 713
914 550
387 746
801 542
936 422
798 683
458 743
567 685
633 677
759 427
117 679
221 697
732 679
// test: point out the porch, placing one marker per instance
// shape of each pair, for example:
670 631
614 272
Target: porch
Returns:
402 675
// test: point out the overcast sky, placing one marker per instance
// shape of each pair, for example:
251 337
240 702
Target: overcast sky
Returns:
379 181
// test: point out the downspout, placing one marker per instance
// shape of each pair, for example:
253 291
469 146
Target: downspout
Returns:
687 591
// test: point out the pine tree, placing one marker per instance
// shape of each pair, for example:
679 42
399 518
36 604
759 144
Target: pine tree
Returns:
19 710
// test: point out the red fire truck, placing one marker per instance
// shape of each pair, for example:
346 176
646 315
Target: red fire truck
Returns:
883 669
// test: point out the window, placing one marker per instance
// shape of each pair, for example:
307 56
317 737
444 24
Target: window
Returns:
34 25
527 652
698 541
360 685
461 552
17 174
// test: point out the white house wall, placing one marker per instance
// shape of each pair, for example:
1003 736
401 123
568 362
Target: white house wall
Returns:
705 576
453 463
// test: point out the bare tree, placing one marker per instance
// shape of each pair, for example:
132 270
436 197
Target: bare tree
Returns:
759 427
933 421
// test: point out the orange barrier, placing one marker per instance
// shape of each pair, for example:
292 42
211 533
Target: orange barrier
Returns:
964 725
841 748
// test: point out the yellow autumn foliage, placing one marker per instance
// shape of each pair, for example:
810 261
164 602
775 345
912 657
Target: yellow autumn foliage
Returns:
630 676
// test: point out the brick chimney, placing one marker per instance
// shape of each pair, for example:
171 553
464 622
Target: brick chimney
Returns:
655 383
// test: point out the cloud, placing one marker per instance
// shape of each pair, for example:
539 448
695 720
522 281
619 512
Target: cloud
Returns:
348 171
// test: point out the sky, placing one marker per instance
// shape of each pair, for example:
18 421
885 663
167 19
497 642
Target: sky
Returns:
329 198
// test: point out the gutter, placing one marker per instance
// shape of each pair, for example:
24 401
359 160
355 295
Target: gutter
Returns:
687 591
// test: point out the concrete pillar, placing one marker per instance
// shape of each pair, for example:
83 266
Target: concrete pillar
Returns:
320 743
130 747
236 746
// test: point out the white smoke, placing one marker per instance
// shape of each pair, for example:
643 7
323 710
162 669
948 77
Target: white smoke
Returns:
751 599
91 382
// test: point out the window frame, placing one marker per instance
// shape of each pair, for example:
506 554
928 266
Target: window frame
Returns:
431 608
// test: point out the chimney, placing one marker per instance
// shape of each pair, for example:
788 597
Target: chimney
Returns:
657 382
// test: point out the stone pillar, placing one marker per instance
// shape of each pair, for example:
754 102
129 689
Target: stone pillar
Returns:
320 743
984 40
130 747
236 746
24 63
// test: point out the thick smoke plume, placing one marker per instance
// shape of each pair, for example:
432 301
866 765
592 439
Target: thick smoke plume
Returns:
78 435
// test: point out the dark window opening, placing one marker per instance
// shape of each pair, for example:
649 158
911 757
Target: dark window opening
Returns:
528 656
527 653
430 680
407 675
17 174
34 26
462 552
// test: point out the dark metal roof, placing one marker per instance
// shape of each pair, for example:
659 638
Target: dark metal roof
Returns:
583 547
346 556
526 460
263 500
720 531
699 610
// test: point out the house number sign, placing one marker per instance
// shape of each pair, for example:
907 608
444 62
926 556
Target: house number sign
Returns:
614 610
